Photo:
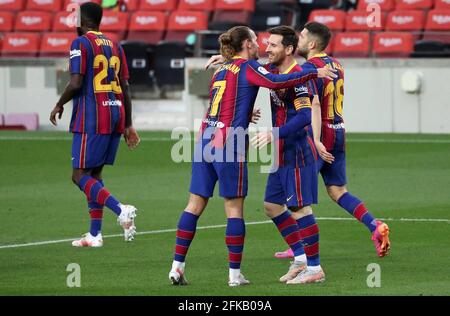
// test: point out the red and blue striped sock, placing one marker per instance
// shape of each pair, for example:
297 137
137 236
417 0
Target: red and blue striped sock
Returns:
358 210
96 214
309 232
187 225
95 192
288 228
235 235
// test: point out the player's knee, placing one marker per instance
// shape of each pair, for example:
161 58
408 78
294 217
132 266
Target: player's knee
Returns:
299 212
335 192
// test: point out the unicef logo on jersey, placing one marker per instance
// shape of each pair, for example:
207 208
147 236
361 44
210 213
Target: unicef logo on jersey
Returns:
112 103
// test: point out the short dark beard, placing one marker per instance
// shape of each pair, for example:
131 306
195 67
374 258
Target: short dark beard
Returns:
302 53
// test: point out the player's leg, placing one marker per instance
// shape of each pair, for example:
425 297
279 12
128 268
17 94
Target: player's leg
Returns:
234 239
90 151
334 176
309 232
203 180
95 209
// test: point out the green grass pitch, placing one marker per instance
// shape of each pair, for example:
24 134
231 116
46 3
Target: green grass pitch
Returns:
398 176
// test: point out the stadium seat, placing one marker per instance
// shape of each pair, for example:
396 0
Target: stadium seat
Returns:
393 44
114 37
33 21
413 4
207 43
158 5
442 4
334 19
20 44
263 38
169 64
132 5
183 23
6 21
405 20
12 5
56 44
229 13
140 61
62 22
29 120
115 22
233 5
69 2
437 26
44 5
385 5
429 48
196 5
357 21
351 44
330 48
148 27
265 17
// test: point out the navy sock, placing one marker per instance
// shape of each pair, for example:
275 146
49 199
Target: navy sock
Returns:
187 226
235 235
95 192
288 228
309 231
357 209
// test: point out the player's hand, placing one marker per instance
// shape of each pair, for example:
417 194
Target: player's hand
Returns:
131 138
327 73
214 60
256 115
323 153
261 139
58 109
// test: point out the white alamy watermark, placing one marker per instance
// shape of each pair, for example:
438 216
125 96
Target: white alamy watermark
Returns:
374 18
374 278
74 18
74 277
217 143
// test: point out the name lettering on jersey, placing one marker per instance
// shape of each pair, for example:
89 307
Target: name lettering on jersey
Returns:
335 66
103 42
230 67
303 102
112 103
75 53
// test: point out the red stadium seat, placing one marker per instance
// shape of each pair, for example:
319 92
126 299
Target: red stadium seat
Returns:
158 5
351 44
33 21
437 26
413 4
407 20
62 22
385 5
21 44
115 22
132 5
197 5
393 44
68 2
263 38
334 19
6 21
182 23
147 26
44 5
56 44
12 5
245 5
442 4
357 21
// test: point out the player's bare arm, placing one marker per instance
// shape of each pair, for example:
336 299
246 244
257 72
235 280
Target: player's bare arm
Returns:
214 60
72 88
131 136
316 121
256 115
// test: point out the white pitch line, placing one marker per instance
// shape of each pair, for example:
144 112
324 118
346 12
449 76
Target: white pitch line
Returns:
161 231
165 139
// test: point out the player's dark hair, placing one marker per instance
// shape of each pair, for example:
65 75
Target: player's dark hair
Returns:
91 14
290 37
231 41
321 32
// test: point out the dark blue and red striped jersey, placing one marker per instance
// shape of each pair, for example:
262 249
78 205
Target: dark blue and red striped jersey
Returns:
98 107
331 97
296 148
233 92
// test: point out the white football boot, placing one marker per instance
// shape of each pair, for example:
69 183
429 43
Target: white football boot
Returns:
177 277
240 280
126 220
89 241
295 268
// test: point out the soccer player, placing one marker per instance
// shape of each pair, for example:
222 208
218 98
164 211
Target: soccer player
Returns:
329 133
220 153
293 185
101 113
